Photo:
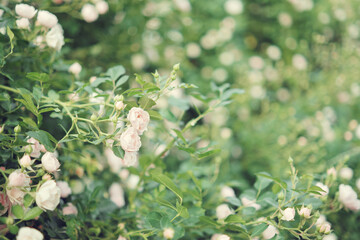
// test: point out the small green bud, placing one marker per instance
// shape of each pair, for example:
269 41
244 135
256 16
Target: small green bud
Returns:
176 67
156 74
17 129
281 196
40 172
9 221
114 119
28 149
93 117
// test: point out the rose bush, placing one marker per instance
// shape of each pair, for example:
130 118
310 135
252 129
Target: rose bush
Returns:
91 151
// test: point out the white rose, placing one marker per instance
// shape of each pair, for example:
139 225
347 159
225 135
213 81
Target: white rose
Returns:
50 162
55 37
331 172
234 7
132 181
346 173
168 233
75 68
48 196
348 197
250 203
23 23
130 159
117 194
25 161
139 119
305 212
25 11
331 236
323 187
46 19
270 232
27 233
65 190
218 236
89 13
130 140
113 160
102 7
223 211
288 214
70 209
227 192
119 105
18 179
36 147
299 62
320 220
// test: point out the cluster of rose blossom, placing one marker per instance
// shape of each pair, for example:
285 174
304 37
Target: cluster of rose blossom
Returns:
130 138
54 36
48 193
90 12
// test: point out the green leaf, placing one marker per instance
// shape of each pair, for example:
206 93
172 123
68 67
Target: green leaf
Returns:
180 135
182 211
195 180
18 211
234 201
40 77
154 219
115 72
27 101
29 122
259 229
146 103
234 219
167 182
208 153
139 79
118 151
166 203
13 229
99 80
155 115
11 37
209 221
121 80
44 138
28 200
33 213
281 183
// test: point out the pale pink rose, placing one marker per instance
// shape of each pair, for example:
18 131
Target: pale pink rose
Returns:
102 7
223 211
250 203
75 68
130 158
48 196
331 172
25 11
130 140
288 214
168 233
305 212
218 236
36 147
348 197
25 161
139 119
27 233
325 228
119 105
270 232
18 179
70 209
117 194
46 19
5 202
89 13
64 189
55 37
16 195
50 162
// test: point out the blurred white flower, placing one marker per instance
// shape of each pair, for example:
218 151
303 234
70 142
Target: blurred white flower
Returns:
256 62
18 179
353 31
273 52
323 187
23 23
348 197
227 191
102 7
183 5
220 75
223 211
324 18
234 7
75 68
28 233
305 212
132 181
331 236
117 194
340 14
193 50
55 37
346 173
65 189
70 209
358 183
270 232
227 58
331 172
299 62
130 159
218 236
48 196
168 233
285 19
46 19
257 92
89 13
25 10
138 61
250 203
